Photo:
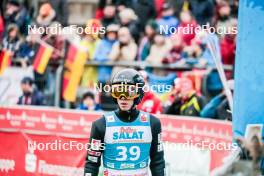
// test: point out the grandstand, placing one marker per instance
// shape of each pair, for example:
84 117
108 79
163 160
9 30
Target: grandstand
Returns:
49 81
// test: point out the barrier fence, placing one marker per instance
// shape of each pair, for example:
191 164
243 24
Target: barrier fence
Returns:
23 127
14 72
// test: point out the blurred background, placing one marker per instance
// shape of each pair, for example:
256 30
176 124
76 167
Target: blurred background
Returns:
189 73
62 70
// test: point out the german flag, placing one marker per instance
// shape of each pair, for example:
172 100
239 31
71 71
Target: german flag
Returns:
74 66
5 60
42 57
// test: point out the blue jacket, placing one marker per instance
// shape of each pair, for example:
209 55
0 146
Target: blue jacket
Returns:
101 54
168 21
36 98
209 111
83 107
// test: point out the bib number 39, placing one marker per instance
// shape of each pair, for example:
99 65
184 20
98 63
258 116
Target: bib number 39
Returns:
133 152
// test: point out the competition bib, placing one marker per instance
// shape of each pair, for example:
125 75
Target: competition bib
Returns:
127 146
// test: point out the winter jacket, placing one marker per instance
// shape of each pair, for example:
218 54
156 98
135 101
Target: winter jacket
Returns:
101 54
191 107
150 103
217 108
12 45
83 107
144 49
36 98
20 18
188 36
159 52
209 111
228 50
26 51
167 23
203 10
134 29
90 74
123 53
61 8
107 21
145 10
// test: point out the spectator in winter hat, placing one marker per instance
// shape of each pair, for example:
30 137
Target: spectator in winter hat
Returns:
46 15
128 19
127 15
168 21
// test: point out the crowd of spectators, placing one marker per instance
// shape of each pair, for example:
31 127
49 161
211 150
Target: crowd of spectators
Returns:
133 33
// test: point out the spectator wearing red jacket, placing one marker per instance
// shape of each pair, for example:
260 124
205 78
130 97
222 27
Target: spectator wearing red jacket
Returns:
187 27
150 103
228 47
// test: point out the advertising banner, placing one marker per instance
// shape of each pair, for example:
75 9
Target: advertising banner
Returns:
45 141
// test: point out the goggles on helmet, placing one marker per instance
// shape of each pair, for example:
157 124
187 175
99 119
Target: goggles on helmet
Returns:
124 90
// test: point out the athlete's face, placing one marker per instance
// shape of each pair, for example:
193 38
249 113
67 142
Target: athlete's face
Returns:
125 104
